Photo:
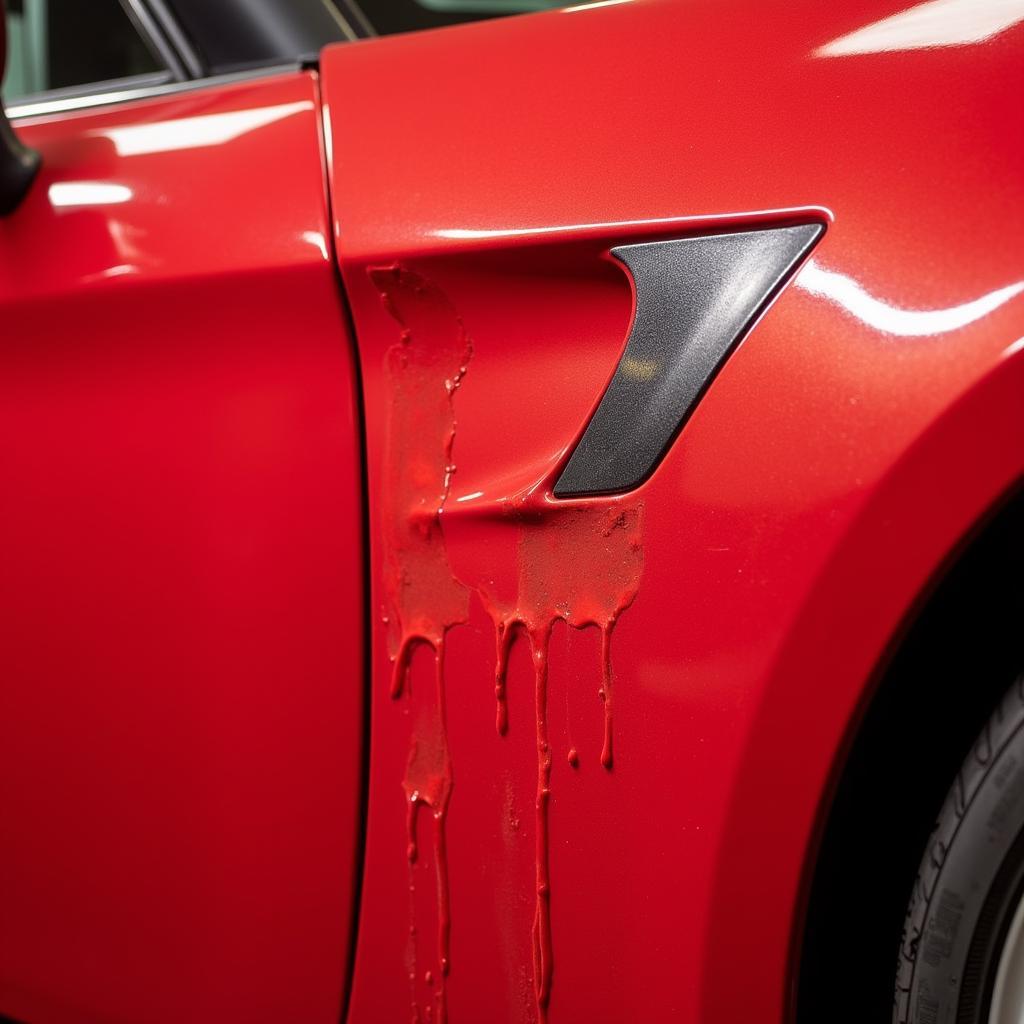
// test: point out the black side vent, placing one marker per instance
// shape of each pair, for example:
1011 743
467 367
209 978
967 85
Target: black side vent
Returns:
695 299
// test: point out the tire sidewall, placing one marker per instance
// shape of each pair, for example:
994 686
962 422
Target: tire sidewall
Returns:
976 829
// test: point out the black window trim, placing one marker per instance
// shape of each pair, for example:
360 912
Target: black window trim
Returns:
153 22
123 90
354 15
184 70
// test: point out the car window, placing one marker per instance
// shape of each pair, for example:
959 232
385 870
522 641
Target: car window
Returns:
61 44
387 16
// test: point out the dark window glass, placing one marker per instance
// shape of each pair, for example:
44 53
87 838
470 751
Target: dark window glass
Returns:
235 35
57 44
387 16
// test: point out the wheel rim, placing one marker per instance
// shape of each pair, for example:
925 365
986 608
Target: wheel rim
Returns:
1007 1006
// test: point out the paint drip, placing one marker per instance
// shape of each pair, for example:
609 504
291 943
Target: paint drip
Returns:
576 561
423 598
581 564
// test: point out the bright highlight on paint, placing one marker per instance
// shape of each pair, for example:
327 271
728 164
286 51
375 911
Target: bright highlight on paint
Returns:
196 132
87 193
846 292
932 24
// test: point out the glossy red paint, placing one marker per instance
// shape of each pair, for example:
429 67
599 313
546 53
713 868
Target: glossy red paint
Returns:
182 587
865 424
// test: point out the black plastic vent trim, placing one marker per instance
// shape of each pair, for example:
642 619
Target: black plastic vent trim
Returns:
695 299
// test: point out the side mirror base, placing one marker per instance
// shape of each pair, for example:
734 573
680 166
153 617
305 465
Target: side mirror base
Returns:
18 166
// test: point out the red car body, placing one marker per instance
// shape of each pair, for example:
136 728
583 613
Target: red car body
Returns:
210 584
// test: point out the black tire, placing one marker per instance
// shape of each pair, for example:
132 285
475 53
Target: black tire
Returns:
970 881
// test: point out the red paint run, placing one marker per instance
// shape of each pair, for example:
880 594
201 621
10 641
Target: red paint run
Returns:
423 597
580 563
576 561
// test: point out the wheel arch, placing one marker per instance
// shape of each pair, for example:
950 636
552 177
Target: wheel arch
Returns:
922 522
899 760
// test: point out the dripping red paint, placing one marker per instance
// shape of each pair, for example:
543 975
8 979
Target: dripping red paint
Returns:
424 599
580 562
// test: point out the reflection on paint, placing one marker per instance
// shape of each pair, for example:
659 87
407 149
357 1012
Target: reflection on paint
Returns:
317 240
749 217
121 270
576 561
846 292
594 3
87 193
195 132
933 24
1014 349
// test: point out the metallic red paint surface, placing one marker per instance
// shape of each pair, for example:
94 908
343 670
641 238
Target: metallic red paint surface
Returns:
182 587
866 423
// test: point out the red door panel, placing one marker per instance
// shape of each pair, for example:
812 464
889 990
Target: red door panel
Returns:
180 644
751 584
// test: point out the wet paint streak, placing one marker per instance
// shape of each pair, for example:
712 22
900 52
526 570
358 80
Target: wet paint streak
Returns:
573 755
423 597
424 370
428 783
577 561
542 954
504 636
581 564
605 693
